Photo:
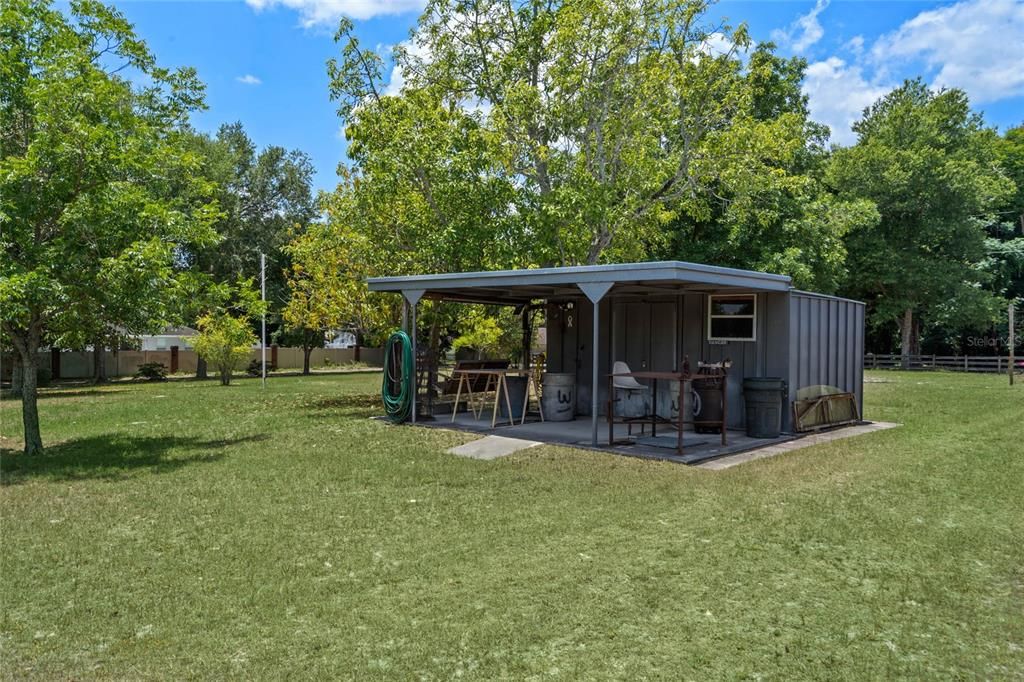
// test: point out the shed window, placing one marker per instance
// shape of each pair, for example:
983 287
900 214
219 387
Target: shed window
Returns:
732 317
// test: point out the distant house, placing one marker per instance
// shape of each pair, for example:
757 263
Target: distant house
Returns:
168 336
340 339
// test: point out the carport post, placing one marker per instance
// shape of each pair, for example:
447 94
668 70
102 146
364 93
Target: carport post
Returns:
595 291
412 296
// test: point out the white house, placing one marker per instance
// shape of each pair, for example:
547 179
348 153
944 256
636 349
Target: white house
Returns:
168 336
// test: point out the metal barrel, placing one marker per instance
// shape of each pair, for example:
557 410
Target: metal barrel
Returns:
558 396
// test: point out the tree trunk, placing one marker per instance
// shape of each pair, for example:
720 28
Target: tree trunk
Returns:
16 374
200 367
99 363
306 351
915 337
28 348
906 331
225 375
29 395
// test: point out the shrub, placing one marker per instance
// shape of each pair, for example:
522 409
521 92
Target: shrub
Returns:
152 371
253 368
225 341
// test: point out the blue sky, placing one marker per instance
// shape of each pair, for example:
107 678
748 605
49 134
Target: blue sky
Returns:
263 61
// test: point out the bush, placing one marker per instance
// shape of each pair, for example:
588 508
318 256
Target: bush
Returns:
152 371
225 341
253 368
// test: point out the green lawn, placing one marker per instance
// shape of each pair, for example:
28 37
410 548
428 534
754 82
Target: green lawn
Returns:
186 530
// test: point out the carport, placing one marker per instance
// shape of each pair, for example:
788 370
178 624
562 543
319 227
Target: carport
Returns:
652 315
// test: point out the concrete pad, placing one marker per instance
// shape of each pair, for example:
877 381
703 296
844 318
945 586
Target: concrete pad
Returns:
801 442
492 447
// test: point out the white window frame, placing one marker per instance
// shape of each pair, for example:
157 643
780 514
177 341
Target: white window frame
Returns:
753 318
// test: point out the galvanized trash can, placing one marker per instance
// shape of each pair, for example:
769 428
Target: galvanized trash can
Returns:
558 396
516 387
763 397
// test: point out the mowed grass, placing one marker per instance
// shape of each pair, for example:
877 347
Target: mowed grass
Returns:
188 530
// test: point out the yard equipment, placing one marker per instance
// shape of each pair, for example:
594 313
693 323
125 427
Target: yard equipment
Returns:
399 372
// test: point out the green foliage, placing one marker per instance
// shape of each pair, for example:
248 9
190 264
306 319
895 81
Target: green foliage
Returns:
92 220
930 167
225 341
576 133
265 198
327 280
152 371
482 335
491 332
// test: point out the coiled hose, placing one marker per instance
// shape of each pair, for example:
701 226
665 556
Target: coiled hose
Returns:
397 386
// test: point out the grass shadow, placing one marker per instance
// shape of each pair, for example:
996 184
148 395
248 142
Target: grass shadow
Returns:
60 393
112 457
353 405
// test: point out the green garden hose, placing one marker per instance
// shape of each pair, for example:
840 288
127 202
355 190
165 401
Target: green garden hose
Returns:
397 387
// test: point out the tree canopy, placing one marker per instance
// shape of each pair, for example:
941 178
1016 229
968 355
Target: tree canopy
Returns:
90 226
931 168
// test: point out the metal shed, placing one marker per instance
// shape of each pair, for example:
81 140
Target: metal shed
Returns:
651 315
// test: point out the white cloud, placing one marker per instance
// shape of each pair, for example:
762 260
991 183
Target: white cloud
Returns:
803 32
315 12
418 52
855 45
716 44
975 45
837 94
248 79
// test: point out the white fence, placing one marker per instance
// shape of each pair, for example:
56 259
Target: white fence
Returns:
954 363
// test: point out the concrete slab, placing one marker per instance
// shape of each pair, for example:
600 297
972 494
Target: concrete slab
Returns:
492 447
805 441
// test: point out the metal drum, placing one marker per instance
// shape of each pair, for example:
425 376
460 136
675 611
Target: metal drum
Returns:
558 396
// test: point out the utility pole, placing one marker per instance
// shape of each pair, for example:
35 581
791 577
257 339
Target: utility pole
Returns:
263 334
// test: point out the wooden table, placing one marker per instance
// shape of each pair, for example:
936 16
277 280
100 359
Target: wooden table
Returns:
683 379
496 382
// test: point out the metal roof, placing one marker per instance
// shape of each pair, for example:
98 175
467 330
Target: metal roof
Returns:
520 286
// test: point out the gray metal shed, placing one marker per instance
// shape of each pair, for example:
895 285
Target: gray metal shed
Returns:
651 315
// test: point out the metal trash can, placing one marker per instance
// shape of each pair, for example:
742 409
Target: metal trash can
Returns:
707 404
763 397
558 396
516 387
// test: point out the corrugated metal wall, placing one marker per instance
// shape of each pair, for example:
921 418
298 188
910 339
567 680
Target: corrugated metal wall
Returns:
803 338
826 343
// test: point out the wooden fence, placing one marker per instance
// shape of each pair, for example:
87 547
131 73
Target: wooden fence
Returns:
953 363
79 364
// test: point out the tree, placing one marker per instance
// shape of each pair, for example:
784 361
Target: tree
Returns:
768 209
265 196
90 232
930 167
327 282
601 119
225 341
319 287
1006 234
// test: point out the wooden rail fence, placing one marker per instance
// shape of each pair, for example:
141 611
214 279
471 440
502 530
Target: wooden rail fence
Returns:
954 363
